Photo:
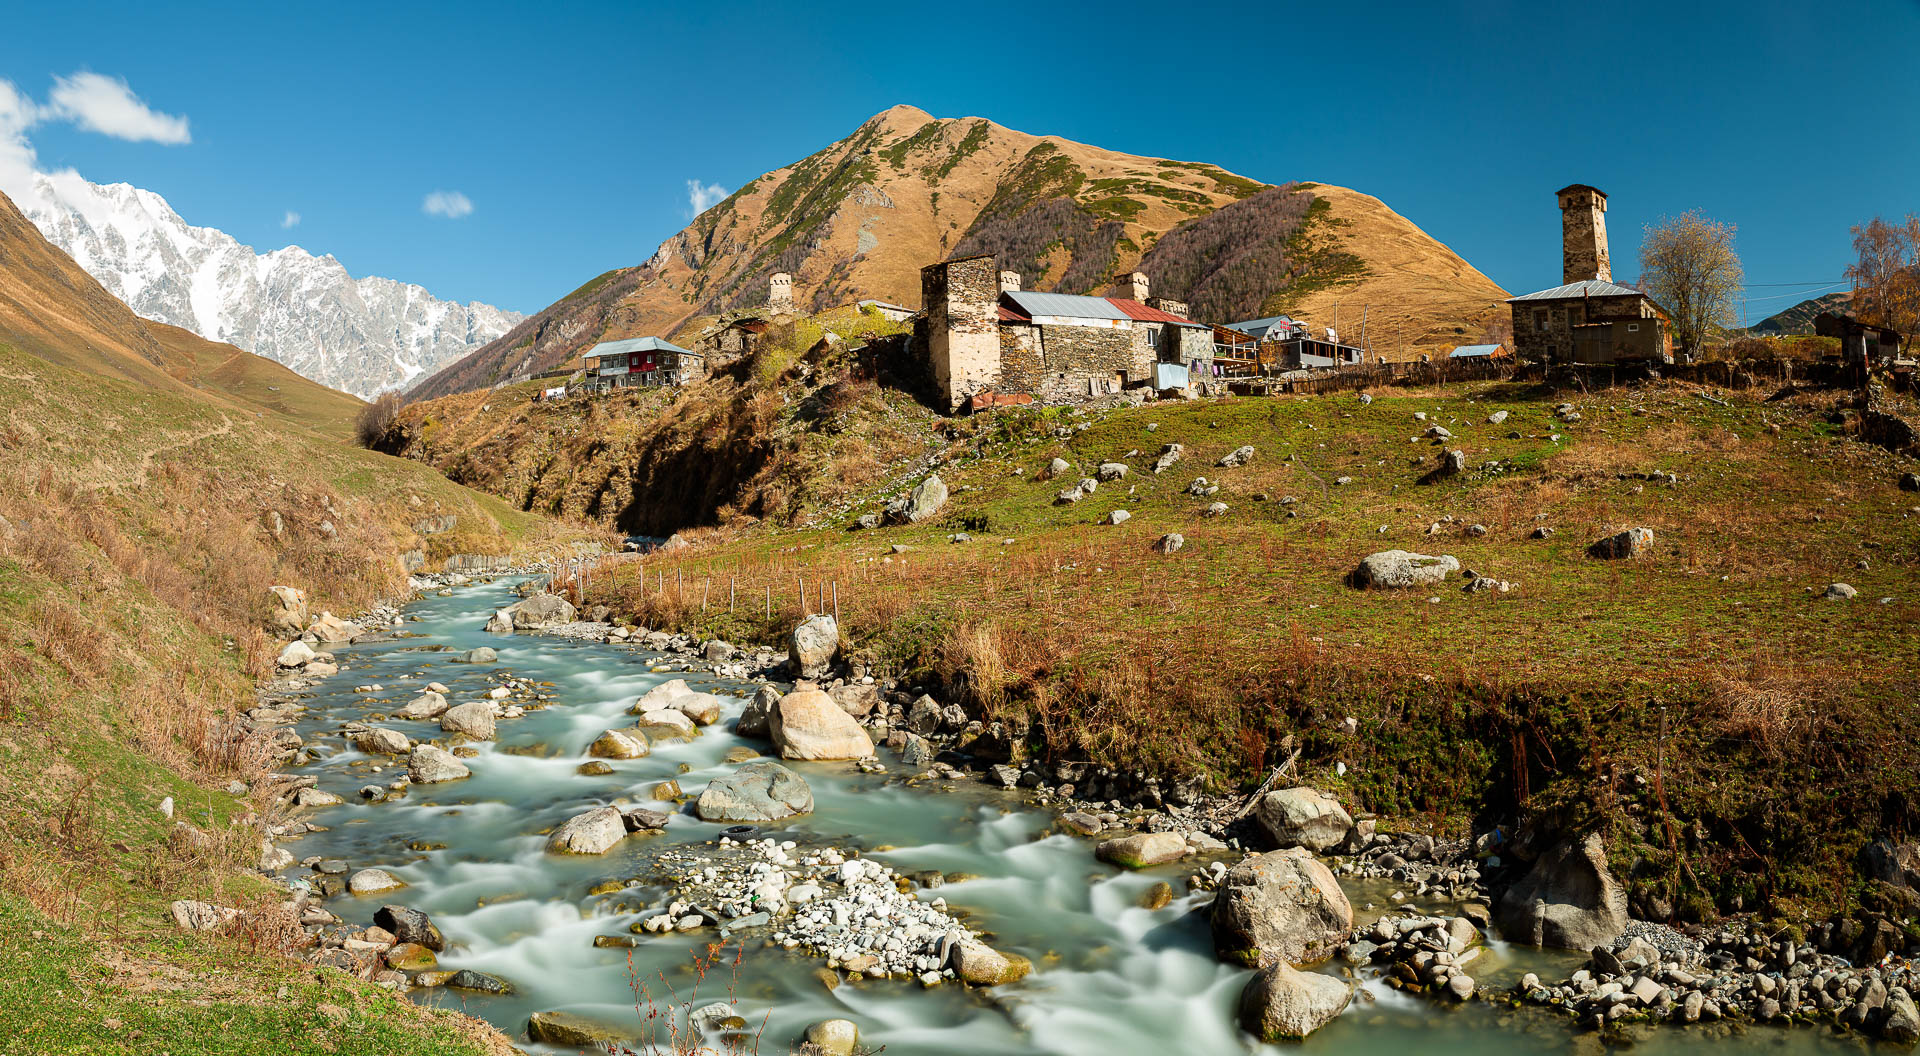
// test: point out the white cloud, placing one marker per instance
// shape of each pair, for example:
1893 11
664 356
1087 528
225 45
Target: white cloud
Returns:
702 197
106 105
292 219
17 114
451 204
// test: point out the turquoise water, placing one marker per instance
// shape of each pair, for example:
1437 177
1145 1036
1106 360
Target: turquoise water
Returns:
1110 978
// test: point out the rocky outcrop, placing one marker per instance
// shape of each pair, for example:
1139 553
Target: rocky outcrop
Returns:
1569 899
1399 569
287 613
1282 1004
1303 817
813 644
756 792
1282 906
924 501
807 724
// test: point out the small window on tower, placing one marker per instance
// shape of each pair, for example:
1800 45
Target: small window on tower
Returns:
1633 328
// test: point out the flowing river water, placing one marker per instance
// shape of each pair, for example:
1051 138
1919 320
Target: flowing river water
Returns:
1110 978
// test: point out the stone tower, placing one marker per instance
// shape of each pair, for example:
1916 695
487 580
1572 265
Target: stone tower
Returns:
1583 230
962 301
1131 287
1009 282
780 293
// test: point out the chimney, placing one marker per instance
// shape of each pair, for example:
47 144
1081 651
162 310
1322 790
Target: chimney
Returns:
780 293
1583 227
1009 282
1132 287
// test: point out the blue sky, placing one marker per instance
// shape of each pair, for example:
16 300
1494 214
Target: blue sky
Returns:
573 130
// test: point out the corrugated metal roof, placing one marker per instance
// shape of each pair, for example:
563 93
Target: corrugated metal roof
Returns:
1469 351
1136 310
1064 304
885 304
1260 327
635 344
1583 288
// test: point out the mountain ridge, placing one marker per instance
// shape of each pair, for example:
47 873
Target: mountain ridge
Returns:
860 217
361 335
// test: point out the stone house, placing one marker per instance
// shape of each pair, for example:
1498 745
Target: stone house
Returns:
1589 319
637 361
983 334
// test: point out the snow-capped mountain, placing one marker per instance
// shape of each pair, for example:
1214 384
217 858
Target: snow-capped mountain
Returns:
363 336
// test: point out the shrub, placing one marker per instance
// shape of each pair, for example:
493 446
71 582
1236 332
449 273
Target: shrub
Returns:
376 419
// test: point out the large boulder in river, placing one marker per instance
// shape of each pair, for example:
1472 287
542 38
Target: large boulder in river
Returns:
287 613
756 792
1281 1004
754 719
594 832
1304 817
979 964
428 705
429 765
619 744
1143 849
1281 906
381 741
1397 569
473 719
813 644
541 610
1569 899
501 622
410 925
807 724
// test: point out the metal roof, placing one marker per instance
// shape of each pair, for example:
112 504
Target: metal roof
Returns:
885 304
1260 327
635 344
1583 288
1136 310
1467 351
1064 304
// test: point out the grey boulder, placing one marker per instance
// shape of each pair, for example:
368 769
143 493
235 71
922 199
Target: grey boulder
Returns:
1303 817
1569 899
1399 569
756 792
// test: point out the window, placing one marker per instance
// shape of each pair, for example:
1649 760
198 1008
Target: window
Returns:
1633 328
1539 318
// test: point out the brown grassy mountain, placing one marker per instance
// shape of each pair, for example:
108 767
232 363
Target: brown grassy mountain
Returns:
861 217
1798 320
50 307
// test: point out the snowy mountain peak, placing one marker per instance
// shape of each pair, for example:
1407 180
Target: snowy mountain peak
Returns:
363 335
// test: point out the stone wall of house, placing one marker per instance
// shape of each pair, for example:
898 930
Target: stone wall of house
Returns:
1021 367
1090 360
1192 344
1543 330
962 326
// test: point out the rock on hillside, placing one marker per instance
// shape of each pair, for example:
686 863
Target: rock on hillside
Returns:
859 219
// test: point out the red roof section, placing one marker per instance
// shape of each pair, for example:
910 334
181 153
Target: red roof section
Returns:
1136 310
1009 314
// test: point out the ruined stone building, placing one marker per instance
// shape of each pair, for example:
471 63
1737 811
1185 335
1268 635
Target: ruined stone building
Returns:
1589 319
984 334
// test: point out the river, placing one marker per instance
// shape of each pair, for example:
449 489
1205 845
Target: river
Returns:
1110 978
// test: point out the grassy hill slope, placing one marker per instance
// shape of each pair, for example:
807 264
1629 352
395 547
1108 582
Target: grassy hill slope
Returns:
860 218
153 486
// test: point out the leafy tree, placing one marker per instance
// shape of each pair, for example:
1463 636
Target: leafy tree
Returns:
1886 278
1688 265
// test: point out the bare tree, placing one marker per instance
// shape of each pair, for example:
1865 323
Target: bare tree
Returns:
376 418
1886 278
1688 265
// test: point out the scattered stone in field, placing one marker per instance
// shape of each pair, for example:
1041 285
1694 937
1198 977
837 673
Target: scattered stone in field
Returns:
1170 543
1839 592
1239 456
1910 482
1118 517
924 501
1169 454
1438 432
1215 509
1496 417
1365 399
1202 487
1112 471
192 915
867 521
1058 468
1542 532
1342 481
756 792
1397 569
1630 543
1476 530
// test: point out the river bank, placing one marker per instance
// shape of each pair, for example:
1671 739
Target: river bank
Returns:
1110 975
